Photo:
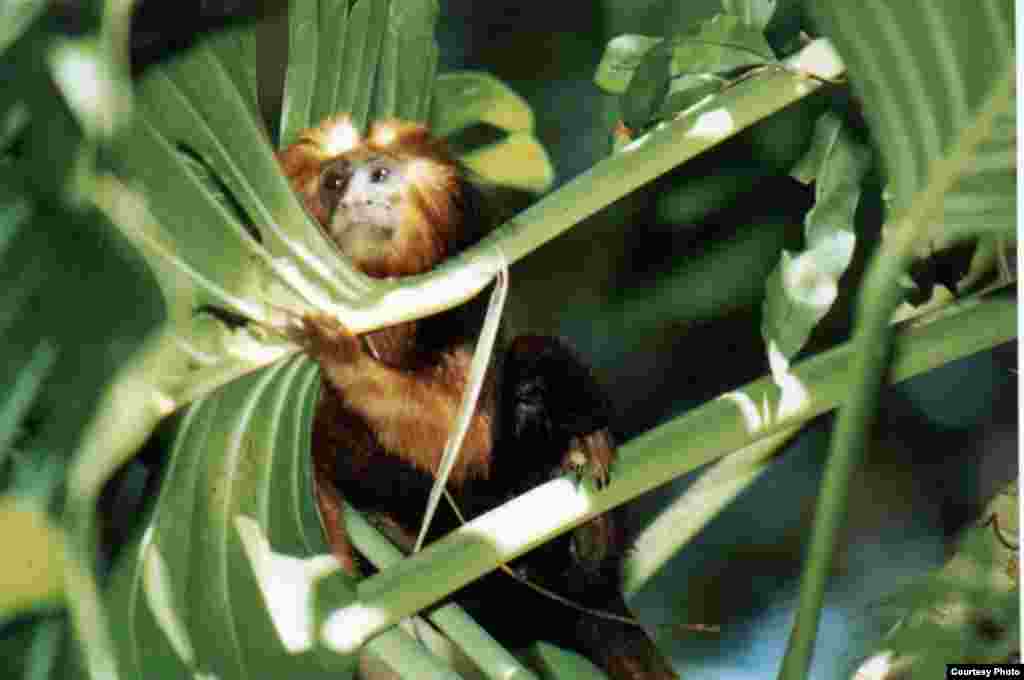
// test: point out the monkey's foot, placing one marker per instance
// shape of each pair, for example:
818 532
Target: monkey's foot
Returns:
590 456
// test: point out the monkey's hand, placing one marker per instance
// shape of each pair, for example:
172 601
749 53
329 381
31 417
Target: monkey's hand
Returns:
325 339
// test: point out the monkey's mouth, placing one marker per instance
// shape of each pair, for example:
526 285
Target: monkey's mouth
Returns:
362 225
367 230
362 241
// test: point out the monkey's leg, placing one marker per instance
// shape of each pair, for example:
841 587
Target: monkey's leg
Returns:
325 446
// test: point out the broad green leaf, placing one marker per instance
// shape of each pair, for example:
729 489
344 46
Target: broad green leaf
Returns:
364 37
719 45
236 50
223 579
984 199
658 78
301 73
923 82
753 13
230 576
465 98
723 43
518 161
648 88
622 56
33 574
408 62
330 60
69 278
233 143
802 288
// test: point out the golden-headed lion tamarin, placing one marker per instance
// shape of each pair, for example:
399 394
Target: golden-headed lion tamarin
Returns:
395 203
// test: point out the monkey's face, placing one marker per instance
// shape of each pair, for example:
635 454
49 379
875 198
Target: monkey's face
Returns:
389 200
378 214
364 198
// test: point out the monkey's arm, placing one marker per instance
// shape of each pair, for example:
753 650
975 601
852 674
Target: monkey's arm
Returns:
410 412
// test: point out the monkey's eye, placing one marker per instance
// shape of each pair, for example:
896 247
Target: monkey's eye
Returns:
378 175
334 181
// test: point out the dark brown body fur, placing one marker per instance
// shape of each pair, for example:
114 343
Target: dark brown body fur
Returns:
389 398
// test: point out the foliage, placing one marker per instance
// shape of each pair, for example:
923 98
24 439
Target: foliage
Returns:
228 575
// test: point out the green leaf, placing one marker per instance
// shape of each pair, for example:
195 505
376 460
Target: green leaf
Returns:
717 46
230 574
408 62
236 50
364 38
622 56
983 201
753 13
802 288
721 44
223 579
301 74
660 78
647 88
330 60
921 85
465 98
518 161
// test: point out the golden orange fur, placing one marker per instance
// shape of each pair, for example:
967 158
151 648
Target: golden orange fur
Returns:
431 211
